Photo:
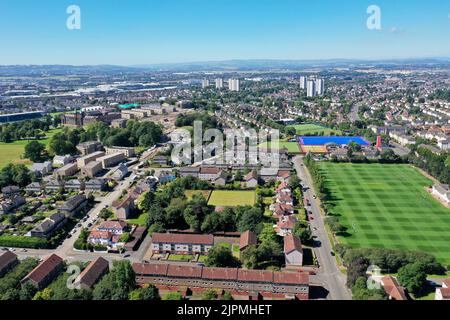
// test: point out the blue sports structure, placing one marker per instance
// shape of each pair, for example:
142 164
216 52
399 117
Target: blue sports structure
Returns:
340 140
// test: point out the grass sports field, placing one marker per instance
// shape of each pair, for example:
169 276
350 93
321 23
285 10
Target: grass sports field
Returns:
292 147
12 152
387 206
308 129
225 198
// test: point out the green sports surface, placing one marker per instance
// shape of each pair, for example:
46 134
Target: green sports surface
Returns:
387 206
225 198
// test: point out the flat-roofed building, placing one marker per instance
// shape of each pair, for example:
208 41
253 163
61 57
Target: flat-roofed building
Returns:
88 147
127 151
83 161
91 169
67 171
111 159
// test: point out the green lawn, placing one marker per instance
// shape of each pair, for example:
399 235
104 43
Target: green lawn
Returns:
180 257
292 147
310 129
387 206
12 152
140 221
190 193
232 198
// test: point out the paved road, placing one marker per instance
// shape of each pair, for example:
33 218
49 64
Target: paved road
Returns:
329 274
399 150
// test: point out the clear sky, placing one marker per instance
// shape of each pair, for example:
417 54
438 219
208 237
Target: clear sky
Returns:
130 32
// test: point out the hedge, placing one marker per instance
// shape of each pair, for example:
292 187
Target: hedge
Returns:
23 242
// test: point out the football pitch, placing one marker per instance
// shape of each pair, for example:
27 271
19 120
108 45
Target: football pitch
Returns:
387 206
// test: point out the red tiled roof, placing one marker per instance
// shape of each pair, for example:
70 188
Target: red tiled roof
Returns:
93 272
291 277
287 223
446 282
207 239
282 186
255 275
220 273
100 234
44 268
246 239
251 175
150 269
445 292
6 259
284 173
291 243
393 289
209 170
119 225
184 271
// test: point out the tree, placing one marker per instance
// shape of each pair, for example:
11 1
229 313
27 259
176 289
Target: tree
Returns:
196 211
447 162
334 224
413 277
294 182
150 293
226 296
290 131
302 230
250 257
105 214
219 256
34 151
117 284
210 294
251 219
173 296
361 292
356 269
45 294
145 201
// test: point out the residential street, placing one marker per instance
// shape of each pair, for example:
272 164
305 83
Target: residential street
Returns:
329 274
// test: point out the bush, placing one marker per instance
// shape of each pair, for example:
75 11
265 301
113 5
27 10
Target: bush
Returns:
23 242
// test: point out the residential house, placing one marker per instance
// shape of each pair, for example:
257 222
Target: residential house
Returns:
124 206
74 205
74 185
267 174
113 226
181 243
8 260
251 179
92 273
160 160
442 191
120 172
33 188
247 238
10 191
47 227
221 179
393 289
95 185
293 251
443 293
189 172
53 186
285 225
208 173
42 169
11 203
108 234
45 272
283 175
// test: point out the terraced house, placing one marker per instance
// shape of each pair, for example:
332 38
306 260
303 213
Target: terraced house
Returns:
182 243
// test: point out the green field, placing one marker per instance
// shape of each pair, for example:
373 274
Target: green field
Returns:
387 206
310 129
190 193
232 198
12 152
292 147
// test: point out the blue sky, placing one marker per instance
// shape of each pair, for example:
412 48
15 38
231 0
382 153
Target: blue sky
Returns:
162 31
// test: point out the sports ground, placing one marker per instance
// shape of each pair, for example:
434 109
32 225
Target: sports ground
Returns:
387 206
340 140
311 128
225 198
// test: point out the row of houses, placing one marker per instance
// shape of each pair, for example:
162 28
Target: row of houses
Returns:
237 281
70 185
